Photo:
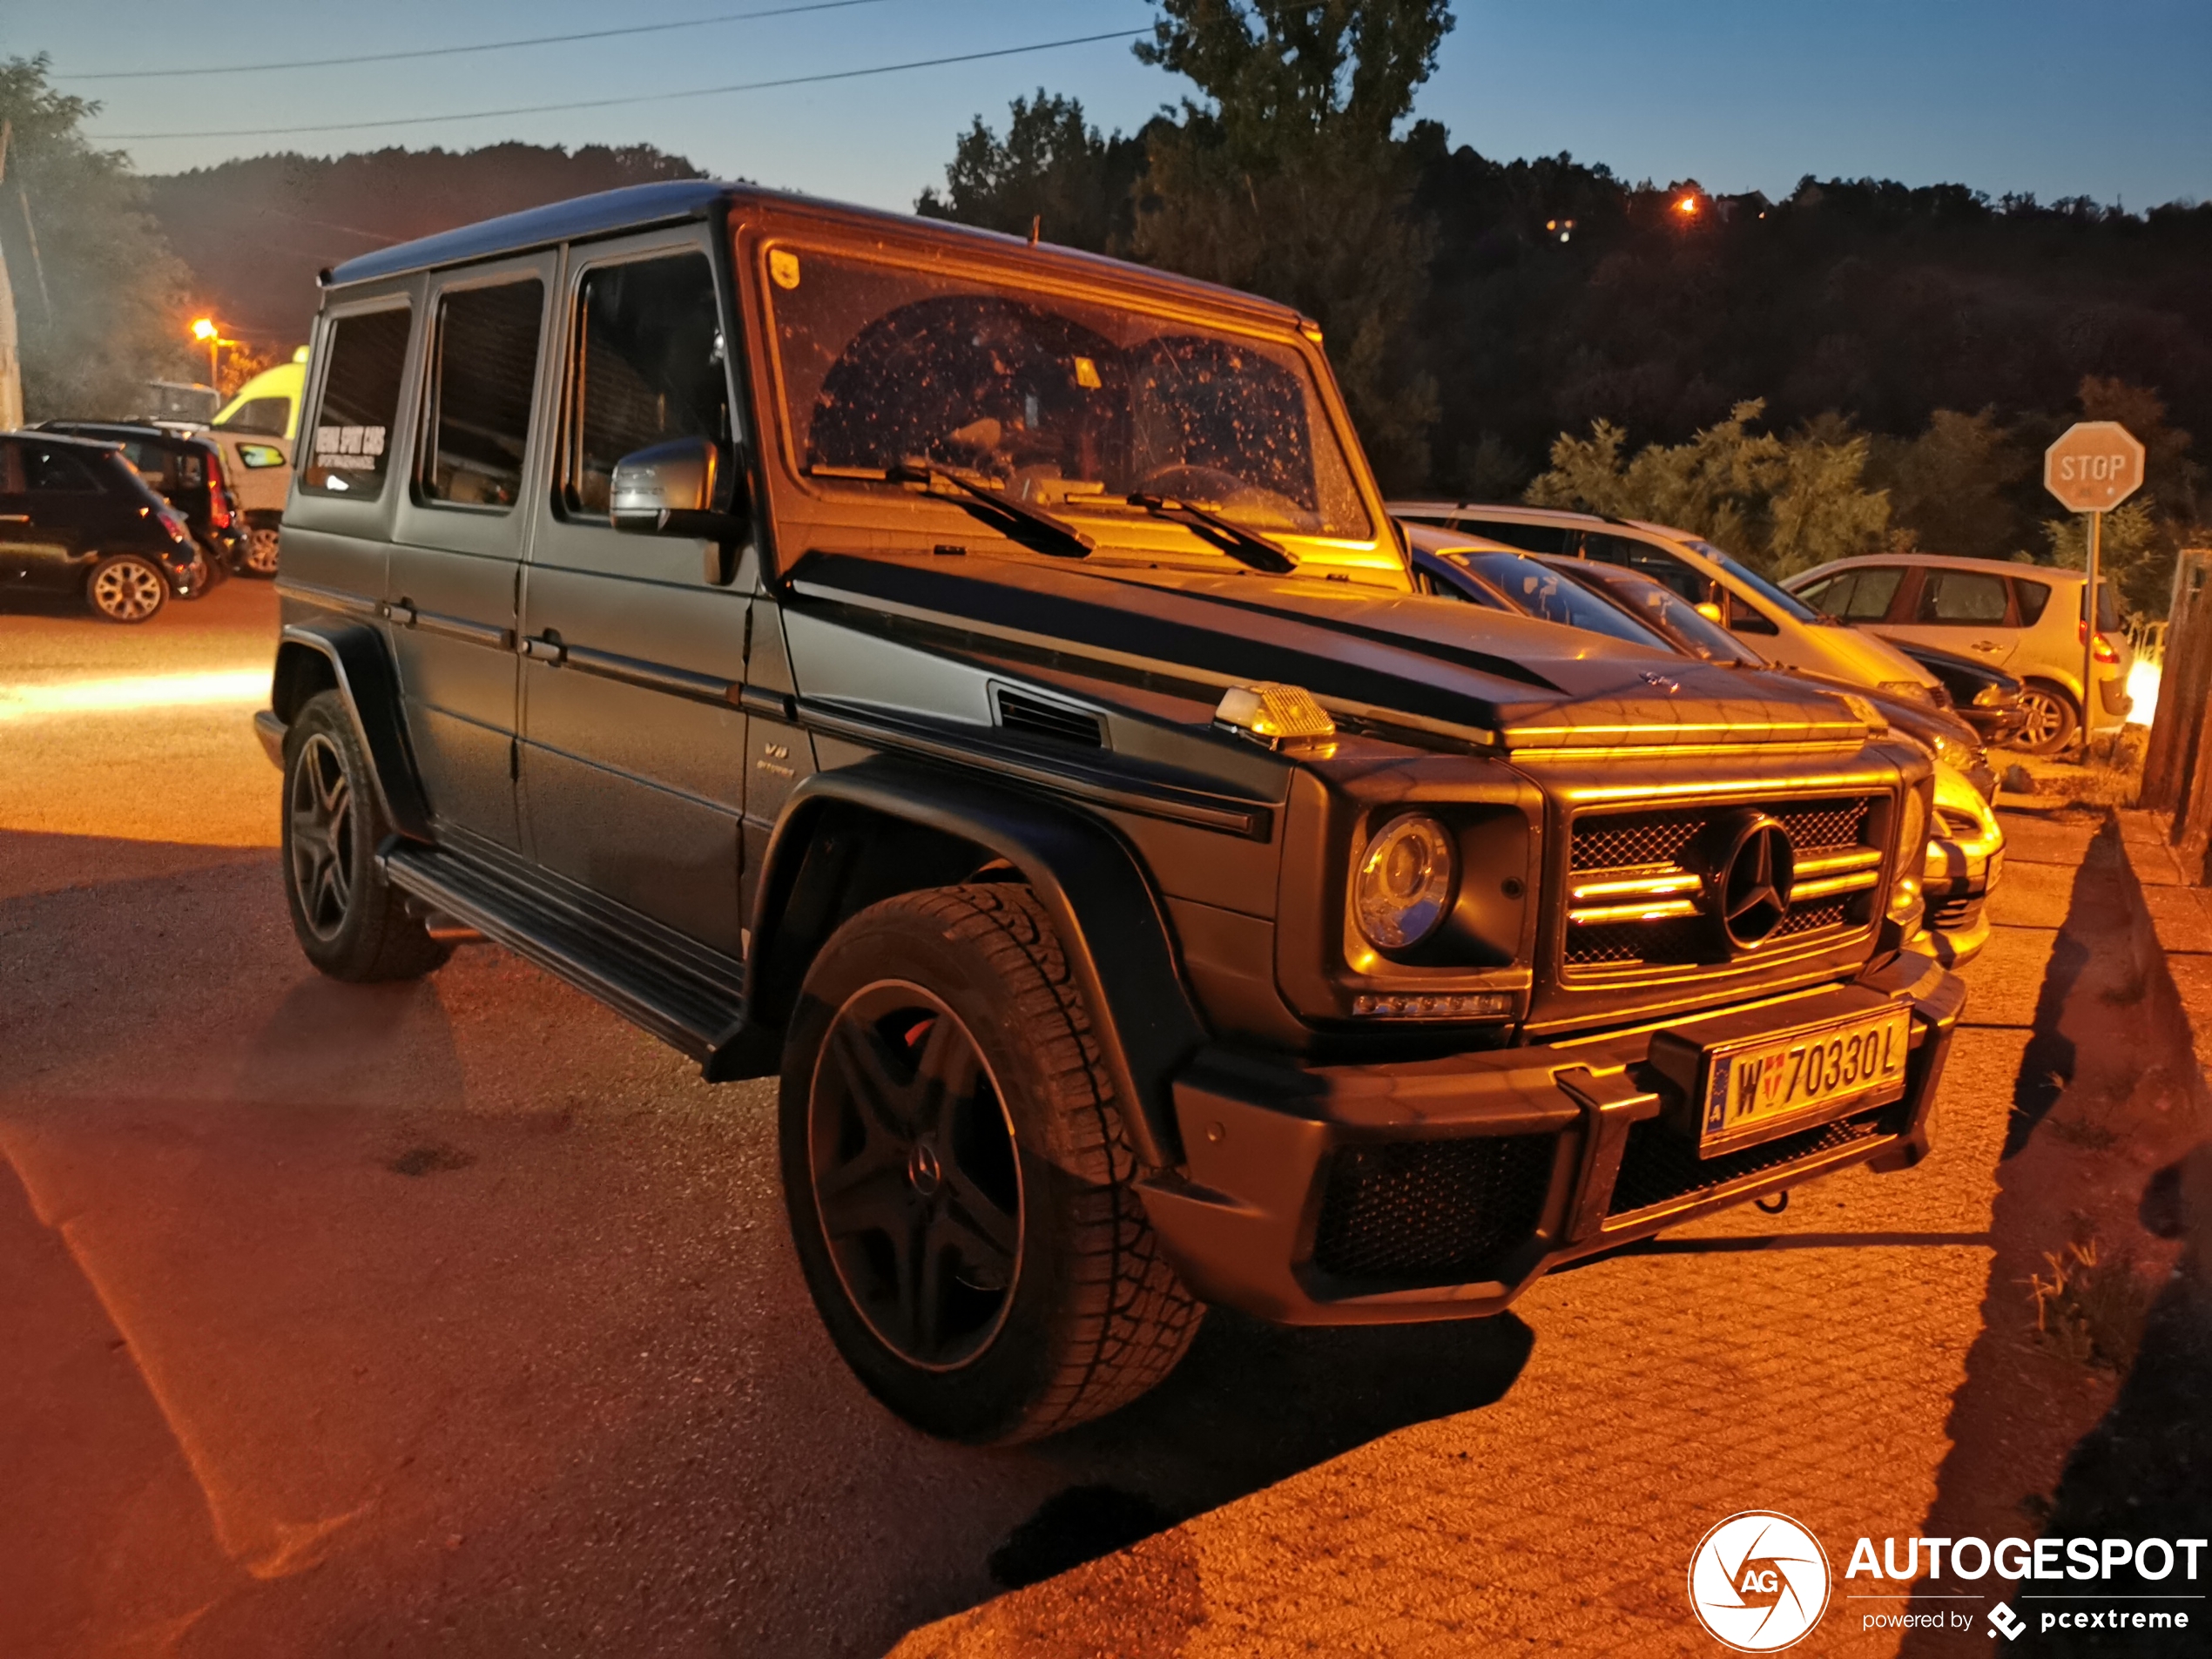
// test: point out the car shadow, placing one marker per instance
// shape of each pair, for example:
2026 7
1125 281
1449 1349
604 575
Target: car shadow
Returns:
1253 1405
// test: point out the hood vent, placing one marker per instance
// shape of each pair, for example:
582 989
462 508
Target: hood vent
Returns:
1035 717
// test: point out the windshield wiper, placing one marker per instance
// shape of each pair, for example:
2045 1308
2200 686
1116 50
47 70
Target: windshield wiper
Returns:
1056 535
1248 547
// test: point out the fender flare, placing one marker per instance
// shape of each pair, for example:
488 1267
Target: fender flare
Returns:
369 681
1101 903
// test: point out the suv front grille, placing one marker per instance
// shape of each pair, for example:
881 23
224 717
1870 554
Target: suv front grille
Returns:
1438 1212
1621 849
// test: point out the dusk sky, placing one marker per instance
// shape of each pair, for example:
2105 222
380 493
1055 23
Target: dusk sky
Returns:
2003 94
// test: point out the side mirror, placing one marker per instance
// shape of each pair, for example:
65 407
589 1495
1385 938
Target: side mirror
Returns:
685 487
1710 611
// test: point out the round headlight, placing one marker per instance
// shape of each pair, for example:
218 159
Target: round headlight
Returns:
1404 883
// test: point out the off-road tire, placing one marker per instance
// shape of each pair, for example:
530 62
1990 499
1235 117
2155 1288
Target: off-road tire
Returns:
2054 722
351 922
1095 1315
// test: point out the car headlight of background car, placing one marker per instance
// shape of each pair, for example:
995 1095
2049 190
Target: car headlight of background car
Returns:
1912 819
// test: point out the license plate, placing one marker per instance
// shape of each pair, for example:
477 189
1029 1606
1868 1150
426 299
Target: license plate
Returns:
1757 1089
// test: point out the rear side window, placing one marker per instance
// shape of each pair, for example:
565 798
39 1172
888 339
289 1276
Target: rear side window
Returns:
649 368
361 403
2033 598
2107 608
263 415
57 472
484 373
1962 596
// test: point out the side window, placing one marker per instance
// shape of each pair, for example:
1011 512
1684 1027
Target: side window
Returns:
2032 597
262 415
361 403
482 377
1743 618
649 367
1963 598
1865 595
1647 560
57 472
1829 593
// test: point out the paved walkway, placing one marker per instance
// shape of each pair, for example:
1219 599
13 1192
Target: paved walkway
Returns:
1806 1363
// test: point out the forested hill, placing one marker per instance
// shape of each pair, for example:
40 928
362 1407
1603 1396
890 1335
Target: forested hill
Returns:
254 232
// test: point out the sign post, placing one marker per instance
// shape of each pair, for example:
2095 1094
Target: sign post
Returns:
2093 467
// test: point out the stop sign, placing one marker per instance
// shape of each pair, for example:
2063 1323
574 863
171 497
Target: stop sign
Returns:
2095 466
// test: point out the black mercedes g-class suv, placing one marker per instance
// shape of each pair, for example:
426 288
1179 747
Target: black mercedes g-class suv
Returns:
978 683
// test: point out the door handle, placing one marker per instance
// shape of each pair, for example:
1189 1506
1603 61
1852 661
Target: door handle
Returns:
401 614
1987 644
545 648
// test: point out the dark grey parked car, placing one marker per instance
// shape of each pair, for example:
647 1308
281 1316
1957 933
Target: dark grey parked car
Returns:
977 683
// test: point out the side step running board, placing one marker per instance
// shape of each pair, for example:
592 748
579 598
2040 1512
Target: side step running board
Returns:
686 996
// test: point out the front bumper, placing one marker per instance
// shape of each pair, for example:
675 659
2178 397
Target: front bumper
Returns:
1441 1189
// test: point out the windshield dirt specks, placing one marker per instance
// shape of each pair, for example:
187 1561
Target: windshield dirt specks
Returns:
1062 402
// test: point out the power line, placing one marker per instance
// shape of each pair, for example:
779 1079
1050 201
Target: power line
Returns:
454 51
610 103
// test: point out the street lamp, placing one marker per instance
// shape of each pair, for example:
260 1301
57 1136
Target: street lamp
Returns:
206 328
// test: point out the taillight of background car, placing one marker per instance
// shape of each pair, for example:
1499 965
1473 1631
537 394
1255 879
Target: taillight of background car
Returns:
2105 652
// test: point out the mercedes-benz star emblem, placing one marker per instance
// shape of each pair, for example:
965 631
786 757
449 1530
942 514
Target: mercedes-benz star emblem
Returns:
1750 889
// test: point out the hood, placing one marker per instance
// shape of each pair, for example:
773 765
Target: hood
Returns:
1865 658
1503 681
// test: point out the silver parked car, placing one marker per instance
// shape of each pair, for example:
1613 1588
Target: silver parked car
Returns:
1778 625
2026 619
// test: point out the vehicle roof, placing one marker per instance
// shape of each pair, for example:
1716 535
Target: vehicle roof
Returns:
1944 561
1517 512
75 441
1434 538
639 206
136 430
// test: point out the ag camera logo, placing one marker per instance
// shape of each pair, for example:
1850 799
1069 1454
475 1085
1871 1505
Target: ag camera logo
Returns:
1759 1582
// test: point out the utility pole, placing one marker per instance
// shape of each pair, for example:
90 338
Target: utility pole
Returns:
10 361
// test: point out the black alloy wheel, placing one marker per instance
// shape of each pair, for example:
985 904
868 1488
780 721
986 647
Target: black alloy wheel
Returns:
320 842
961 1189
914 1174
351 922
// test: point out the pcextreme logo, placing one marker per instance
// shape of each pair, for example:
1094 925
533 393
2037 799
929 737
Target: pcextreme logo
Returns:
1759 1582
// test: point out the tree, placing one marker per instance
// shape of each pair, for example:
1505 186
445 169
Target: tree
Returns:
100 300
1952 488
1784 504
1289 181
1051 171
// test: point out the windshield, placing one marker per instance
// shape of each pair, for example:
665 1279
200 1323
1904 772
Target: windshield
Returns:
1538 591
1667 612
1788 604
1067 403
